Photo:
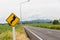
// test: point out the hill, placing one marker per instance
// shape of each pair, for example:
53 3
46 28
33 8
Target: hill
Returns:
38 21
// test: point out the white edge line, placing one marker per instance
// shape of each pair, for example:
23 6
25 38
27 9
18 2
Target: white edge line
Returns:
35 35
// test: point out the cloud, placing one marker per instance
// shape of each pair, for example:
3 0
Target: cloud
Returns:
31 10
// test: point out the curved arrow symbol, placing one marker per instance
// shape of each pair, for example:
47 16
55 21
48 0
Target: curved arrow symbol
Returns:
14 17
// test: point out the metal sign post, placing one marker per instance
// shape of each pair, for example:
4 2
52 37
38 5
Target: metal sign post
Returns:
13 20
14 34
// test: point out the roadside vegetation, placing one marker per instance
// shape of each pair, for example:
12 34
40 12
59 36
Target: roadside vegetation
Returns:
52 24
46 25
6 32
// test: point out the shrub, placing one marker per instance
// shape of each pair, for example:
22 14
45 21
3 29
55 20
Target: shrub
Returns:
55 22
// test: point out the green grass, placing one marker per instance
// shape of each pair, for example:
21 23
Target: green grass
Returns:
7 35
6 27
46 25
6 31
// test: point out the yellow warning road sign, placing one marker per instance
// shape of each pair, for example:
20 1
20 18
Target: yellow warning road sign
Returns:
12 19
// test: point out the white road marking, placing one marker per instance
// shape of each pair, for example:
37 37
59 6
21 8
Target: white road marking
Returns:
34 34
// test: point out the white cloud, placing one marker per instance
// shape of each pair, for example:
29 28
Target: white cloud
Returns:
43 8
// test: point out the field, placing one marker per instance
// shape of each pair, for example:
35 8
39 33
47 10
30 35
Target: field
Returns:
6 32
46 25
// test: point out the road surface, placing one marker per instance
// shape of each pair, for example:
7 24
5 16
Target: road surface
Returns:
36 33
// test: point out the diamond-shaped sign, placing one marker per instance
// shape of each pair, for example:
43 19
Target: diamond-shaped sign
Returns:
12 19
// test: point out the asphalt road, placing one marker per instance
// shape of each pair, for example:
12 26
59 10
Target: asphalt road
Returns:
42 33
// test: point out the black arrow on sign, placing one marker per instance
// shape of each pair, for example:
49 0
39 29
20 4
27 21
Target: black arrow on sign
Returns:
14 17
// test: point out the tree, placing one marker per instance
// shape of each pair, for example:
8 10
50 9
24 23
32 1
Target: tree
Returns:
55 22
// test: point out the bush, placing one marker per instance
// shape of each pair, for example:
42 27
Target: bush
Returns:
55 22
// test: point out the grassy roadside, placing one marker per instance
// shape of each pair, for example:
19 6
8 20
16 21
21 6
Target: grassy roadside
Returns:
6 32
46 25
21 35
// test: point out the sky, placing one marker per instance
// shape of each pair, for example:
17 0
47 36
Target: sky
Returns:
35 9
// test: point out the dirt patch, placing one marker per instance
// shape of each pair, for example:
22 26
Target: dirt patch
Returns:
21 36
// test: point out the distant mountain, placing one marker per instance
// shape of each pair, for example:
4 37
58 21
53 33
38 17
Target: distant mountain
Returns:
42 20
38 21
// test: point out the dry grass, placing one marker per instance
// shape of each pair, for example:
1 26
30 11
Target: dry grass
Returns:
20 34
6 35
